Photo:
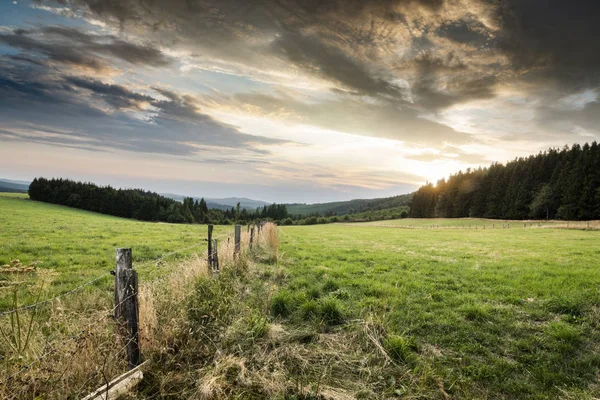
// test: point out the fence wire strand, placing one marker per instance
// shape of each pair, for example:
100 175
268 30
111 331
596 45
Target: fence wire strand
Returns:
34 305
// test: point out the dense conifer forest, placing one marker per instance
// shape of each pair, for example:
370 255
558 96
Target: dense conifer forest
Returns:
554 184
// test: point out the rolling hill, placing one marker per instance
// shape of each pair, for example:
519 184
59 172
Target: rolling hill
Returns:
350 206
223 203
8 185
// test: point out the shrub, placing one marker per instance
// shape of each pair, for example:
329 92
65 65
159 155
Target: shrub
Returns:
404 214
311 221
287 221
322 220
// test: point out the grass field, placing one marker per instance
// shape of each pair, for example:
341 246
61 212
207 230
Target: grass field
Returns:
74 246
359 310
485 313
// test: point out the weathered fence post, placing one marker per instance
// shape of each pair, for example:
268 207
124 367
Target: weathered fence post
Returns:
210 250
251 237
238 238
126 305
216 258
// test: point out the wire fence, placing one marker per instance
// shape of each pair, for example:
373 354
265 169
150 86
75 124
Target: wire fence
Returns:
82 344
67 344
35 305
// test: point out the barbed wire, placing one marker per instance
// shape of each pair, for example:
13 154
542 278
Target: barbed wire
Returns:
158 260
34 305
107 315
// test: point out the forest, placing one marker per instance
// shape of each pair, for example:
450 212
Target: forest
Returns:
554 184
143 205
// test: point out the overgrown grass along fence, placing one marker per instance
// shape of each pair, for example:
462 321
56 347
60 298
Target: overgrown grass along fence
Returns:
68 345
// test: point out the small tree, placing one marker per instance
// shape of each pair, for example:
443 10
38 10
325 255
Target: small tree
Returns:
541 202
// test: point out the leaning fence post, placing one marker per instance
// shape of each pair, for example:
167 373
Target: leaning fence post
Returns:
238 237
126 305
216 258
210 251
251 237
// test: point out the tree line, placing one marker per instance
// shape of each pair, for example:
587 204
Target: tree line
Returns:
554 184
144 205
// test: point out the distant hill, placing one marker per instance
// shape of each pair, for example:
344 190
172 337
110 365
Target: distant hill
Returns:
223 203
351 206
8 185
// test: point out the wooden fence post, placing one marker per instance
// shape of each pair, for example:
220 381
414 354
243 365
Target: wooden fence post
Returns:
216 258
251 237
210 250
238 238
126 305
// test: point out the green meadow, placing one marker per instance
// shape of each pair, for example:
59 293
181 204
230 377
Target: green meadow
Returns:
73 246
372 310
494 313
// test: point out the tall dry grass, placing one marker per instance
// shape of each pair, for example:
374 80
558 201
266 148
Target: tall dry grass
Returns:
75 346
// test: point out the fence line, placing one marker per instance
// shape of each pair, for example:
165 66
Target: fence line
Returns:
128 298
158 260
34 305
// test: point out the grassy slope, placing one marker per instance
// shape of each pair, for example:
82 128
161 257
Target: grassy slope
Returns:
74 246
489 314
345 207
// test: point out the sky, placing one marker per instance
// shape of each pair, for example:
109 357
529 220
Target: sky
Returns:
290 100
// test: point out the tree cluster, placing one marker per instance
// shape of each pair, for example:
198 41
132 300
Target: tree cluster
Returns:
143 205
554 184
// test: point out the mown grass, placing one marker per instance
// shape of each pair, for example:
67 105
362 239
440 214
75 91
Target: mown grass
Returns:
74 246
472 313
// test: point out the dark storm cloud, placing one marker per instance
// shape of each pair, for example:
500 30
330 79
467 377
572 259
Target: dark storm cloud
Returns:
115 95
401 59
317 58
556 40
74 47
40 105
461 31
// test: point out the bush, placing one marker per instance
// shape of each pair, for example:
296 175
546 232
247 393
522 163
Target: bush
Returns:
404 214
287 221
322 220
334 219
311 221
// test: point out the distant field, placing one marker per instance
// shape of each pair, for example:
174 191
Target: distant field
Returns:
485 313
73 246
480 223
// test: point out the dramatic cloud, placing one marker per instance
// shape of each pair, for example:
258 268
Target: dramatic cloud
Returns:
79 49
426 86
87 112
